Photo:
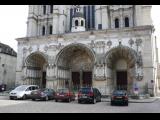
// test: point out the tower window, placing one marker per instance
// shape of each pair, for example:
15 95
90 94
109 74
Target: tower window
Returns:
44 9
76 23
51 8
50 29
43 30
126 22
82 23
116 23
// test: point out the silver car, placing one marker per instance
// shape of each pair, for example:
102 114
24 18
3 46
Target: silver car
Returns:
22 92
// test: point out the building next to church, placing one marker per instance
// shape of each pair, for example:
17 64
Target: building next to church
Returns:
106 46
8 60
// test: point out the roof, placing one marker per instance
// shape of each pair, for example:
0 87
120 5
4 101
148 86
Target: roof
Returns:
7 50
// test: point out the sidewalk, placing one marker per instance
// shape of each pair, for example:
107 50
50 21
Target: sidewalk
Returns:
149 100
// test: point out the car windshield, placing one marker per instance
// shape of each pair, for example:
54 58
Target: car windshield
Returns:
63 90
21 88
85 90
44 90
119 92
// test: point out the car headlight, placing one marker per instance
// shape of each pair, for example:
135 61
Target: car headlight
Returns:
20 94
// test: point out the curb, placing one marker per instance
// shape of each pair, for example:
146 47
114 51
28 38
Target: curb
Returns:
134 101
144 101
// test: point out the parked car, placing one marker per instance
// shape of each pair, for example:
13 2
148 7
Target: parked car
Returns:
119 97
43 94
22 92
64 94
3 87
89 94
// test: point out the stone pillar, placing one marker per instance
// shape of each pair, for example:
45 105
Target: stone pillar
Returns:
105 17
31 23
138 15
81 78
55 20
62 19
97 16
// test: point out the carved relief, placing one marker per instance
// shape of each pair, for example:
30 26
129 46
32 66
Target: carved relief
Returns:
138 42
30 49
59 46
92 44
109 43
100 44
45 48
24 50
139 59
131 42
37 47
53 47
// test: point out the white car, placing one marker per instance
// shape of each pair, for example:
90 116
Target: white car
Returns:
22 91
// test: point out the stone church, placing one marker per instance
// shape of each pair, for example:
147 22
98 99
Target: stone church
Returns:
106 46
8 60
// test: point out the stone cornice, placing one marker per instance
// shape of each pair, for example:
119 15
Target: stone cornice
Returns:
139 30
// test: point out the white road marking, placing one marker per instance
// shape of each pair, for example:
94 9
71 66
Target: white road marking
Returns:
10 102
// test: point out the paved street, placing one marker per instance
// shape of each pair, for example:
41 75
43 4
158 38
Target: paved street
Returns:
25 106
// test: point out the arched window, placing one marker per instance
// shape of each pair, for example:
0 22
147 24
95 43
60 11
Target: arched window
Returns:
43 30
44 9
126 22
50 29
51 8
82 23
76 23
116 23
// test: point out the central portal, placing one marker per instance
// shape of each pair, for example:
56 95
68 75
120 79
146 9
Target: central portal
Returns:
77 61
122 80
81 79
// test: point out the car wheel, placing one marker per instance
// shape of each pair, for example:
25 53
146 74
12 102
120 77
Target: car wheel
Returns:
94 101
46 98
126 103
69 100
79 101
33 99
24 97
10 98
56 100
111 103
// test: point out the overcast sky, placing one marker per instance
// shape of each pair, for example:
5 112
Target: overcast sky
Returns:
13 25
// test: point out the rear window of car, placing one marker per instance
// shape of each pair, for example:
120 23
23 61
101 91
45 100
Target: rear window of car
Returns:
85 90
63 90
119 92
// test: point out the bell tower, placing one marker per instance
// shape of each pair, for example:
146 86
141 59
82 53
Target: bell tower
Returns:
78 21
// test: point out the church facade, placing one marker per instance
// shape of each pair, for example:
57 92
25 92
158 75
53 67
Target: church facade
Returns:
106 46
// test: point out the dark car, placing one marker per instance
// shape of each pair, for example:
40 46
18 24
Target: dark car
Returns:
43 94
119 97
89 94
64 94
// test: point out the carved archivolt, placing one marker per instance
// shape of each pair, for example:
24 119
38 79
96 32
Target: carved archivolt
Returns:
121 51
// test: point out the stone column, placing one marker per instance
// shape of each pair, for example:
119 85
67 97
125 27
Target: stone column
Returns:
81 75
97 16
105 17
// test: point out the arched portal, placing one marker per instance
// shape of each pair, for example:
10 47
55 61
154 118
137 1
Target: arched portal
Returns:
36 64
75 66
121 61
